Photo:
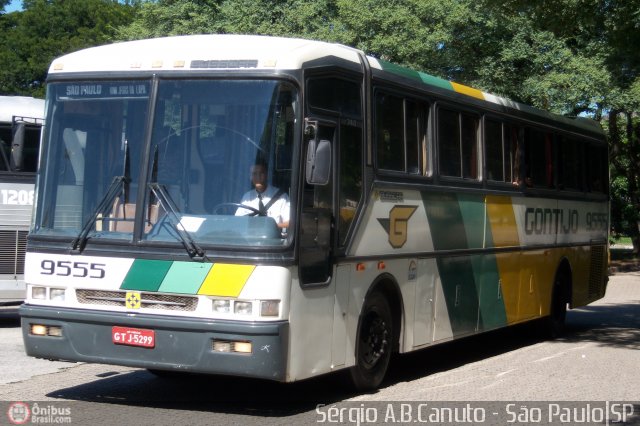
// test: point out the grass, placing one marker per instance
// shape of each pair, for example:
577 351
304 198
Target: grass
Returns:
621 240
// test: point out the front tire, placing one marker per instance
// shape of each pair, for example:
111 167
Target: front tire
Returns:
374 343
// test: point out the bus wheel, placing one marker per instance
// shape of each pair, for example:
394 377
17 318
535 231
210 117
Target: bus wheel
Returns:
373 344
555 326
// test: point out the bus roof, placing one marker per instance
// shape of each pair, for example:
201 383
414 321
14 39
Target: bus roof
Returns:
22 106
229 51
212 51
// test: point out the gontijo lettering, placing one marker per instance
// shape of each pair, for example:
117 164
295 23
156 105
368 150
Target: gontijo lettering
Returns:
550 221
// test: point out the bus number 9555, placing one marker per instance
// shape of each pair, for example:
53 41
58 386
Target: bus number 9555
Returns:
66 268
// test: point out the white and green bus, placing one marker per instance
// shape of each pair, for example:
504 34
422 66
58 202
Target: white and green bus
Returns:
420 211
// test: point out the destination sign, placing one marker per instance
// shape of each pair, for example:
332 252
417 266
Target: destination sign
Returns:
102 90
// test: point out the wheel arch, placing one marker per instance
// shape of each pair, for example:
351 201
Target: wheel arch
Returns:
563 280
388 286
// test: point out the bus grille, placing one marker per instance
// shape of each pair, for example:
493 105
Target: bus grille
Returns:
169 302
596 274
13 245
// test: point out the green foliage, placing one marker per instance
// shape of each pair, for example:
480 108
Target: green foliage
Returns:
47 29
567 56
172 17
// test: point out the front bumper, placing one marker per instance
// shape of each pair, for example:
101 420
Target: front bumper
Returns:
181 344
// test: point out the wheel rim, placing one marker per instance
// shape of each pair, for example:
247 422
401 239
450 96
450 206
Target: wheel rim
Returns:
374 340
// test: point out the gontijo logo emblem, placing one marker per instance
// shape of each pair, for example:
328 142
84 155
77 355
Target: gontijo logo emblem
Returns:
397 225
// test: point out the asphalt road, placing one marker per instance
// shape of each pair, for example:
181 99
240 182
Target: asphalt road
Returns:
597 363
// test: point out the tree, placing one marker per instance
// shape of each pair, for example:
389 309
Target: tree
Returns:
46 29
172 17
301 18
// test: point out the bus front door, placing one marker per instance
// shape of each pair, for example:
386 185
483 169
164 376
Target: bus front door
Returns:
317 207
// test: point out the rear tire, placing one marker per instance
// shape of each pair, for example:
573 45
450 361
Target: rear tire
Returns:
373 344
555 323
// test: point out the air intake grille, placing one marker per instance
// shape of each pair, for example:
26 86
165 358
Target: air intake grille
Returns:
170 302
13 245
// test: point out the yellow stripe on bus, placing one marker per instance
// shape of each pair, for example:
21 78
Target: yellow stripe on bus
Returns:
502 219
466 90
226 280
504 232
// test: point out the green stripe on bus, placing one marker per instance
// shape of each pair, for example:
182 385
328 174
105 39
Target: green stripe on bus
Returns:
185 277
445 220
473 215
461 297
491 303
415 75
146 275
470 283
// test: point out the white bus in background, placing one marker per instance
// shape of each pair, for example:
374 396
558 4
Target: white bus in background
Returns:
21 121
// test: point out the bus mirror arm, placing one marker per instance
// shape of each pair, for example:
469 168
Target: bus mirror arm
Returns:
318 167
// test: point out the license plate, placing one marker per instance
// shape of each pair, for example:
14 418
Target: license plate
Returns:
133 337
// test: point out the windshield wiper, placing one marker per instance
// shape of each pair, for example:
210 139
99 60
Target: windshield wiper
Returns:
77 245
193 249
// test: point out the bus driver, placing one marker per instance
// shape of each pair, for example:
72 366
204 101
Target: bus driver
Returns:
266 200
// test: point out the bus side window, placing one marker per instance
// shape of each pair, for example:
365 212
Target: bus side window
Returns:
494 150
539 153
570 163
502 151
400 141
458 144
449 143
390 132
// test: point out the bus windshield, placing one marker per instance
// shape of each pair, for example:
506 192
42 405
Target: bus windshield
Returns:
217 170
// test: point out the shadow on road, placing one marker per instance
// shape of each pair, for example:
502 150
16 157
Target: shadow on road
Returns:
9 317
615 325
611 324
234 395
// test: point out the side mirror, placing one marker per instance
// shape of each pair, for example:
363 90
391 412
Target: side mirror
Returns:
17 147
318 162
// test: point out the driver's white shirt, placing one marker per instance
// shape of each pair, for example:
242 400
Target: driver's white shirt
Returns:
279 210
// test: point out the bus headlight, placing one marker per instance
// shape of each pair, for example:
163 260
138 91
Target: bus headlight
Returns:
222 306
39 293
243 308
270 308
57 294
47 293
263 308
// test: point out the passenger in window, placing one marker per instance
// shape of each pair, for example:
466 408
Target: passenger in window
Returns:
264 199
